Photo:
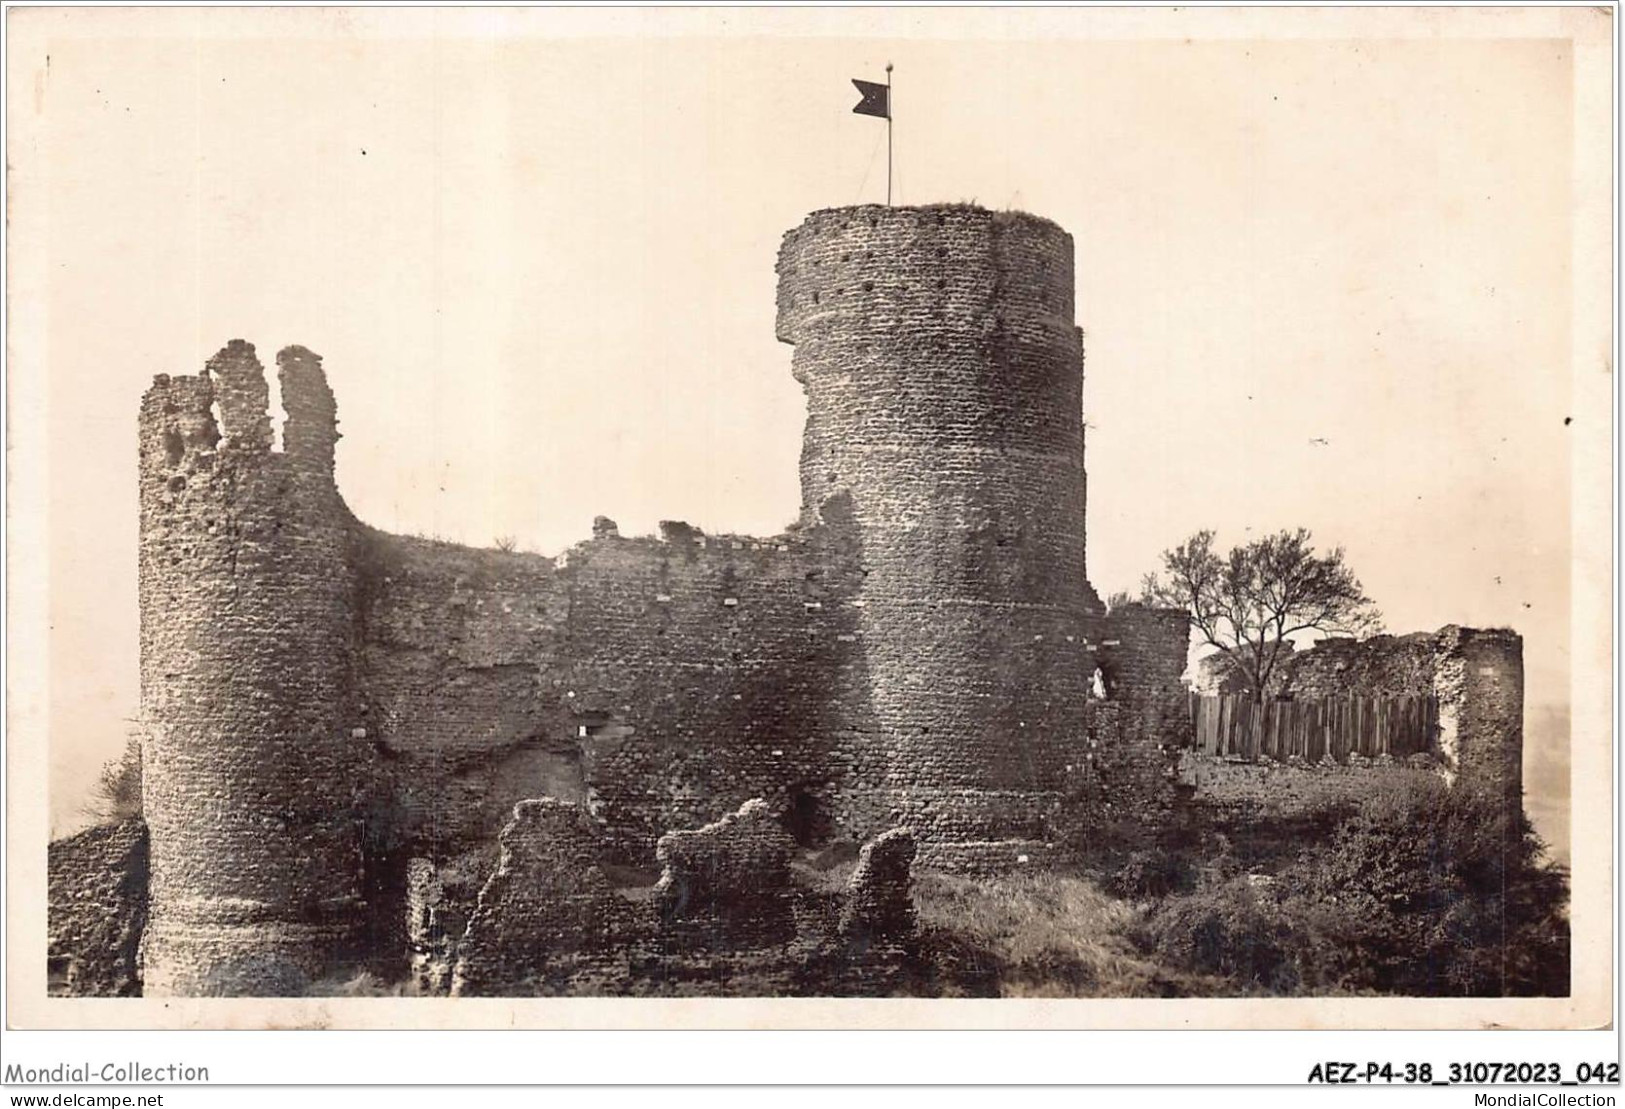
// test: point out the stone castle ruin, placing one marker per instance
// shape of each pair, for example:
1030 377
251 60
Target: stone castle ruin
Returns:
361 746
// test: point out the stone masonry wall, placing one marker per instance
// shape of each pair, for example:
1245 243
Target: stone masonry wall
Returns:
1476 676
98 908
1383 665
1268 791
659 682
1143 654
728 883
943 374
547 902
247 644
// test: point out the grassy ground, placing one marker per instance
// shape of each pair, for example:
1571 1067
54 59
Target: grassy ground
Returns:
1042 934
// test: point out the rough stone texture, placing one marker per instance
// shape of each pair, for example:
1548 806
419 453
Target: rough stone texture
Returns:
1478 678
657 681
729 880
1476 674
98 907
1143 654
943 374
427 940
547 902
1383 665
1124 774
247 648
878 903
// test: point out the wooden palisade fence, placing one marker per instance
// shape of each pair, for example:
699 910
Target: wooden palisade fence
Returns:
1236 726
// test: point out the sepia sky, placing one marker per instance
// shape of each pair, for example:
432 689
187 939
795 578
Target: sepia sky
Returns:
1323 281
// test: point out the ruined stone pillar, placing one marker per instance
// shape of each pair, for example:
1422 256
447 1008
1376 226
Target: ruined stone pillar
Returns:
247 638
1478 679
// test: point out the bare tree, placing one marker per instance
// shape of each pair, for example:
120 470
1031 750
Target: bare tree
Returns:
1250 603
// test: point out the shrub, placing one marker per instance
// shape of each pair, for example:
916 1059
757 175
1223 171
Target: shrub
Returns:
1426 890
1152 873
1444 894
1229 928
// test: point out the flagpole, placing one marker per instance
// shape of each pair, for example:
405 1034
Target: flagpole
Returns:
888 134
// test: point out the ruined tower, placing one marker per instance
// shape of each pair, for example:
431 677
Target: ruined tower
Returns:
247 601
944 377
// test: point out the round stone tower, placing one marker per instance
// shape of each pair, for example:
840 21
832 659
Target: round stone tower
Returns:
944 378
247 629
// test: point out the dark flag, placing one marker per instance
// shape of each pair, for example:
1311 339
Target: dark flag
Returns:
876 99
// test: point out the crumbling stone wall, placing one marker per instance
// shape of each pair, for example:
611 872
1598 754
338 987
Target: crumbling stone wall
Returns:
879 905
428 942
98 908
1383 665
1143 655
1478 678
1476 674
1123 775
547 902
248 600
728 882
657 681
710 670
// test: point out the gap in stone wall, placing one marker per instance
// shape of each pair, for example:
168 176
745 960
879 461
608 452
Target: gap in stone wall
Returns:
278 414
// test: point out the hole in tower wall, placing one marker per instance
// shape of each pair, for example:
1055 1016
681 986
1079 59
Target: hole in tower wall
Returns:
174 447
